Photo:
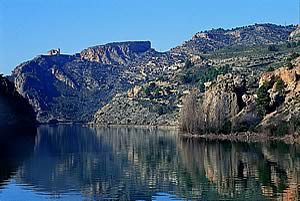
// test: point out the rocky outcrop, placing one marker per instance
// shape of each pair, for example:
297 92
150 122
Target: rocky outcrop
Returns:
295 35
15 111
273 108
290 77
285 117
72 88
222 101
65 88
116 53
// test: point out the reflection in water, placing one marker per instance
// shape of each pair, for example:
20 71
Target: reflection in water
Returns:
245 171
14 149
150 164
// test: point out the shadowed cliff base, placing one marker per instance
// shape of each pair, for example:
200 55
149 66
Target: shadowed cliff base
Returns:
15 147
16 114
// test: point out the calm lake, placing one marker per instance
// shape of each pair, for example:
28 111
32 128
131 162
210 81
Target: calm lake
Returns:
73 162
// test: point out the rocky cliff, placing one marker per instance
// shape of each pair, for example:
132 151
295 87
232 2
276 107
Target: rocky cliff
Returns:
73 87
284 98
116 53
295 35
229 104
15 111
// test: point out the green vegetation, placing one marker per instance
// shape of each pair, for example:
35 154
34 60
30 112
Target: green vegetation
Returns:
161 108
153 91
279 85
279 130
197 76
263 99
273 48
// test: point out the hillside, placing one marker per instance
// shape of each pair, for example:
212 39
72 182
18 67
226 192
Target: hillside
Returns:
72 87
253 35
131 83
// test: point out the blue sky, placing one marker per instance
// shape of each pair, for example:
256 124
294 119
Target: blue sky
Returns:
31 27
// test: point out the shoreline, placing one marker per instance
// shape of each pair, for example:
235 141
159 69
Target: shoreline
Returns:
248 137
174 127
244 137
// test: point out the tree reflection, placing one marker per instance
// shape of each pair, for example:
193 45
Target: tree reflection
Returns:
244 171
136 164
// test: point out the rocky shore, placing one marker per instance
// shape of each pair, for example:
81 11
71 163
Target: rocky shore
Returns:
249 137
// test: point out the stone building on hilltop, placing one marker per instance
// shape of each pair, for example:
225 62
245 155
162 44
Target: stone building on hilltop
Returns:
54 52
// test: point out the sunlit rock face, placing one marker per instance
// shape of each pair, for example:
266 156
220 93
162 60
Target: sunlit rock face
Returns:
295 35
116 53
220 102
289 109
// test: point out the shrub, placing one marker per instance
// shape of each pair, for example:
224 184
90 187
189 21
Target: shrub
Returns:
263 99
226 127
290 65
270 69
279 85
199 76
272 48
292 56
279 130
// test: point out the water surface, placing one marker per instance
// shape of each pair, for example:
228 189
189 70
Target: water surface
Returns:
73 162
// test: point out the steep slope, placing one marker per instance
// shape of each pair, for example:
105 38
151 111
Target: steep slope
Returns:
116 53
247 58
15 111
66 88
72 87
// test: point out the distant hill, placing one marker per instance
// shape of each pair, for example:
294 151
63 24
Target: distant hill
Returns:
253 35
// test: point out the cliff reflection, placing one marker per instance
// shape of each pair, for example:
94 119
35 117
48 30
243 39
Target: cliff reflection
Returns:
15 148
120 163
136 164
245 171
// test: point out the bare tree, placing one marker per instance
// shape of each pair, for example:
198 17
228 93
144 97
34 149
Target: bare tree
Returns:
192 120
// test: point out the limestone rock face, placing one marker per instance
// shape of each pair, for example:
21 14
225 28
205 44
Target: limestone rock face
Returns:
290 77
115 53
221 101
289 110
